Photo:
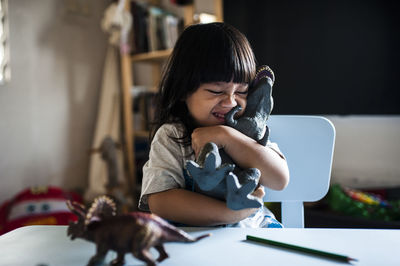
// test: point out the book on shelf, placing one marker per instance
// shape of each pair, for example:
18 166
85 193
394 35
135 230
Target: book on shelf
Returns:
143 108
143 115
153 28
139 40
142 149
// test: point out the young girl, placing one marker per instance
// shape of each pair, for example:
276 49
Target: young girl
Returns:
206 76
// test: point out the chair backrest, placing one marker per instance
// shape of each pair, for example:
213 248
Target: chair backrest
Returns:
307 143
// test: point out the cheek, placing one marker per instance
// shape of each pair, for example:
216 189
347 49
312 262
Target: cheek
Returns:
190 103
197 109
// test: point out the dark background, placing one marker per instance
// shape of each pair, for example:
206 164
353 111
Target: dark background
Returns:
329 56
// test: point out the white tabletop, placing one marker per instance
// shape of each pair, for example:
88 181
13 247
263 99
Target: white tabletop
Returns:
50 246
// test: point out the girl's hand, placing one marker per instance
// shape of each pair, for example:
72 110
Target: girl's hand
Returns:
259 192
203 135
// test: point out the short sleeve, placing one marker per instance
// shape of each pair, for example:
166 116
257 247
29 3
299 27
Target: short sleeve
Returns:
164 169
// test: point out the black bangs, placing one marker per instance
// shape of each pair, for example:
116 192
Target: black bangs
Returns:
225 64
228 57
216 52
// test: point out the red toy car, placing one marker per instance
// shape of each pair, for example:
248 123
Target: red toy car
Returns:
37 206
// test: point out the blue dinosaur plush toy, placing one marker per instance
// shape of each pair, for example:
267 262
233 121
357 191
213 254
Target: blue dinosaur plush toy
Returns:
214 173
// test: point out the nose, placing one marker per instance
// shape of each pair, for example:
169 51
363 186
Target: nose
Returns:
229 100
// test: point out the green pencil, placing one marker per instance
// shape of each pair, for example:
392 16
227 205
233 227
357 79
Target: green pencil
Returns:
301 249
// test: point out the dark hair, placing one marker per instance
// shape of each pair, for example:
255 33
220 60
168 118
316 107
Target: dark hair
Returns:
203 53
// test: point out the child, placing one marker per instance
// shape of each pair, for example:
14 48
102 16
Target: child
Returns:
206 76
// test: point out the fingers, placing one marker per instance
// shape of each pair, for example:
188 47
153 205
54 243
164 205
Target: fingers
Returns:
259 192
195 147
200 137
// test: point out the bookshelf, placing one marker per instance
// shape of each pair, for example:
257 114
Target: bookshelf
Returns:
154 56
154 59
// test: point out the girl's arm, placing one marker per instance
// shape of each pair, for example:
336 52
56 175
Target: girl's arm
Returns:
183 206
246 152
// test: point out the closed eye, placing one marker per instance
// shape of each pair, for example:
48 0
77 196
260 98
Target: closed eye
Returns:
214 92
242 92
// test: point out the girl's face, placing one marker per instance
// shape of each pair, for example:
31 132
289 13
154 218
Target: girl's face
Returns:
211 101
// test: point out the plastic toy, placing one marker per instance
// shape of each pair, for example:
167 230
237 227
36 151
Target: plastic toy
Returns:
114 186
214 173
134 232
37 206
358 203
367 198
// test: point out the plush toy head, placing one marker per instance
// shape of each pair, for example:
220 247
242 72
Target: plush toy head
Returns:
37 206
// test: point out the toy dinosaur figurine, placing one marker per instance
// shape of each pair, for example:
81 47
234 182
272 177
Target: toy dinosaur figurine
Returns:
114 187
135 232
214 173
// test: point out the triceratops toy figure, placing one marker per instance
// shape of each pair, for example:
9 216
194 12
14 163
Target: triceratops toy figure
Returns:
214 173
135 232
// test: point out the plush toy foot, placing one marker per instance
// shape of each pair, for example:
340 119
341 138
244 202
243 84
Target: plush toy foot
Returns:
208 172
237 195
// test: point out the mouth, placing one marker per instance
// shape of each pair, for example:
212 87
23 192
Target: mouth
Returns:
219 116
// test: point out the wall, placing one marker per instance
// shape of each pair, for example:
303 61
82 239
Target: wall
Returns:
340 59
48 110
330 57
367 151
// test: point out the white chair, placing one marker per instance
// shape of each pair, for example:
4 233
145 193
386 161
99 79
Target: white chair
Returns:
307 143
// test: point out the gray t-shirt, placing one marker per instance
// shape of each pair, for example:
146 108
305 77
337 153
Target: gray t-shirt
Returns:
167 159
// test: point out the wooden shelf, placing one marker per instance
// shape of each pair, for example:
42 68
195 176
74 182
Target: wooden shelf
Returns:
141 133
155 56
156 59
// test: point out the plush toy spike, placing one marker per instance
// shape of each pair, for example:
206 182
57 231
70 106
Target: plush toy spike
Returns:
264 72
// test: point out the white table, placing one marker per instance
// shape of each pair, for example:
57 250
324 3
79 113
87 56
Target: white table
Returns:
49 245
